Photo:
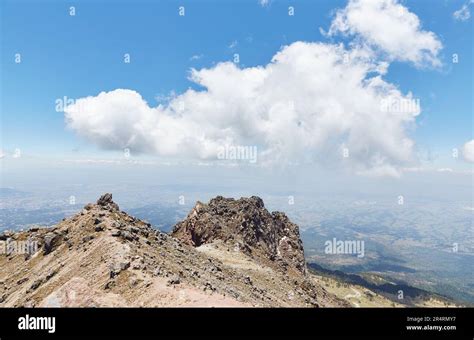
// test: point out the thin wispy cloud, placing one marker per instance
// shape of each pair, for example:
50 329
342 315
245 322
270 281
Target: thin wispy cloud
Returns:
233 44
464 13
196 57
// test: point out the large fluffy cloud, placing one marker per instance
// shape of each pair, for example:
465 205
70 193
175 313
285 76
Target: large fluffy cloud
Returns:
308 104
314 102
468 151
390 27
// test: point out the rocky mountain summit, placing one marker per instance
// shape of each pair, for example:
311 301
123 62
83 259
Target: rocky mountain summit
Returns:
225 253
246 225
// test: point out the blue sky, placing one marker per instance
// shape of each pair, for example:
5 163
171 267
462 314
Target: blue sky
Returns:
82 55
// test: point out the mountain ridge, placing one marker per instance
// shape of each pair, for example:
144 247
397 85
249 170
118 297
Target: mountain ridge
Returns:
104 257
226 253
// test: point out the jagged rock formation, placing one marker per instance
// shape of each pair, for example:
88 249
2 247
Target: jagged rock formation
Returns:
105 201
104 257
248 226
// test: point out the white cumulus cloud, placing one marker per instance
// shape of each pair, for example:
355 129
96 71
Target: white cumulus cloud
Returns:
468 151
390 27
307 105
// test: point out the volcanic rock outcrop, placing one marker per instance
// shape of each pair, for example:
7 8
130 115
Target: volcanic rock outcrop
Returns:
246 225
